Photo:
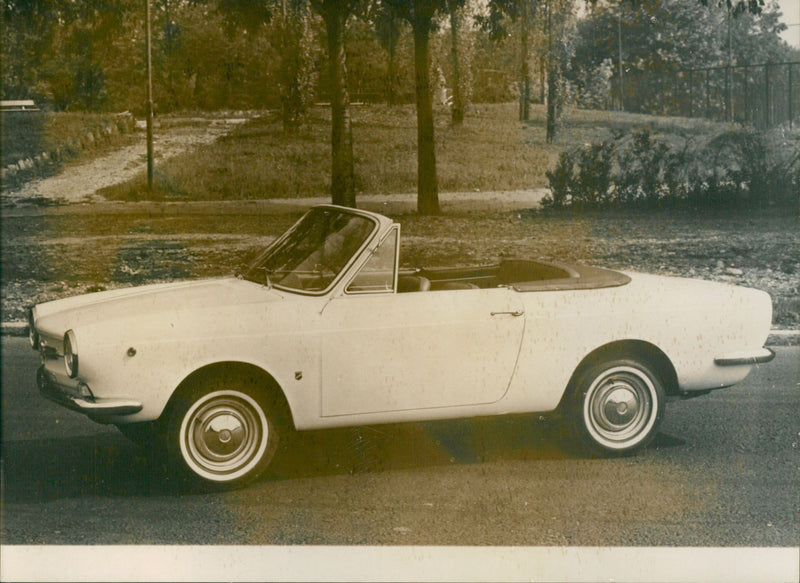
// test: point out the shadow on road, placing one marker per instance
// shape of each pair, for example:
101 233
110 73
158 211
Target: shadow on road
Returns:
418 445
102 465
109 465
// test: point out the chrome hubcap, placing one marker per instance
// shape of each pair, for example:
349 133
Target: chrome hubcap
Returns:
619 407
220 434
224 435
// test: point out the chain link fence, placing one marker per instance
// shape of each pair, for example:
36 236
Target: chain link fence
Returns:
763 96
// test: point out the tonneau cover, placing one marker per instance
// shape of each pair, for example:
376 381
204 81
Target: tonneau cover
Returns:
582 277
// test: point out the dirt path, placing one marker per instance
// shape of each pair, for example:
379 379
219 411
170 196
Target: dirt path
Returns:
79 182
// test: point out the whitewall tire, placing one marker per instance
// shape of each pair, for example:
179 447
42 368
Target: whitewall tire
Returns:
222 435
617 407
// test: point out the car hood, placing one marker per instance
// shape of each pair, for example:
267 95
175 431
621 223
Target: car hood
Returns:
60 315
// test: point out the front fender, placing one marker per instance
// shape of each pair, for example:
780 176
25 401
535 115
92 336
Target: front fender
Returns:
156 354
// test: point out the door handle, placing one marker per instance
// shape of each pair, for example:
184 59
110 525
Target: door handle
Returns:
515 313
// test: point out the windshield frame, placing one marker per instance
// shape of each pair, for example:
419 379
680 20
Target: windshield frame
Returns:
270 249
393 229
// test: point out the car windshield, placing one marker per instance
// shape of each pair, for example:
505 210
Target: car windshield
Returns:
313 252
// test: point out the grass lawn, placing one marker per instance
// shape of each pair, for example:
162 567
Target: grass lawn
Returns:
492 150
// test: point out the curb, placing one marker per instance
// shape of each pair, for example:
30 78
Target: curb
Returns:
14 328
783 338
397 203
776 337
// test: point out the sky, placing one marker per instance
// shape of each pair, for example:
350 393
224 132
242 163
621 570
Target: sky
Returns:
791 16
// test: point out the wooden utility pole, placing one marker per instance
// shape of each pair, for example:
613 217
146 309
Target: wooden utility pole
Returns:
619 58
149 108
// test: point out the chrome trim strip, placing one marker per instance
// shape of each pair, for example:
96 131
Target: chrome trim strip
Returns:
736 359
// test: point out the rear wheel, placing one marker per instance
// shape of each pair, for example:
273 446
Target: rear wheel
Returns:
222 433
617 407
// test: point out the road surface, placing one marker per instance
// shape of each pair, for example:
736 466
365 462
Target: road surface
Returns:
722 472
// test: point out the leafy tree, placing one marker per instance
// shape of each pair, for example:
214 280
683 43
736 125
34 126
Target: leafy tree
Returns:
420 14
454 11
367 62
556 17
54 50
523 13
291 35
294 42
559 54
388 27
290 19
664 36
738 6
495 63
27 33
335 14
207 40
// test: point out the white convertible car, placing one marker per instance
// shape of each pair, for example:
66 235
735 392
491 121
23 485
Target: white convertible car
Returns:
325 330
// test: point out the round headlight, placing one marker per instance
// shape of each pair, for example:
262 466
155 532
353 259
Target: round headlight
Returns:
33 335
71 354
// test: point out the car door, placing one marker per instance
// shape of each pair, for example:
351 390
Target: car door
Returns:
384 351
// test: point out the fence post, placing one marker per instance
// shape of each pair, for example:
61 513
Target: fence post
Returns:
746 95
728 83
761 105
791 105
768 102
675 108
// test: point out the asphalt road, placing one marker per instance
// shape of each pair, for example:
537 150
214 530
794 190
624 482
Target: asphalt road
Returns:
722 472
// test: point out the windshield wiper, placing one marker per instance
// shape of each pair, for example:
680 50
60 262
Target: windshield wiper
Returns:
245 274
267 272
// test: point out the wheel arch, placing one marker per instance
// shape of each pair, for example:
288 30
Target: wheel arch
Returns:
243 371
635 349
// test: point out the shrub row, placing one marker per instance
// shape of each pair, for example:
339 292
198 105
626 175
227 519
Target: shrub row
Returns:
734 168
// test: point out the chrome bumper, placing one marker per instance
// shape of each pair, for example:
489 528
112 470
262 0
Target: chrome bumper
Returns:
740 358
93 407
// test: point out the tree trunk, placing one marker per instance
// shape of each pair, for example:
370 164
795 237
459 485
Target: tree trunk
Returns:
392 74
287 76
342 181
457 108
427 184
552 103
552 80
542 79
524 73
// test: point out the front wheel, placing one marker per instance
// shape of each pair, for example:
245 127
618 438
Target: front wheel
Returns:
617 407
222 435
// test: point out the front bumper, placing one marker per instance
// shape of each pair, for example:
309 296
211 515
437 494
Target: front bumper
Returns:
95 408
740 358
